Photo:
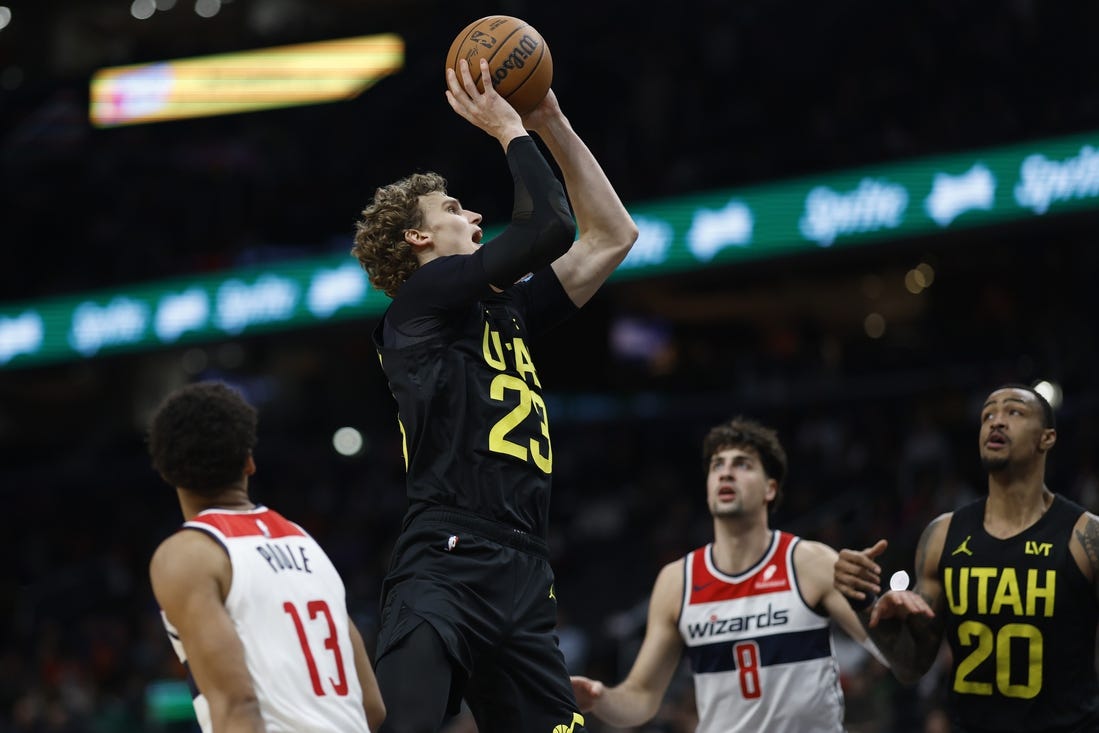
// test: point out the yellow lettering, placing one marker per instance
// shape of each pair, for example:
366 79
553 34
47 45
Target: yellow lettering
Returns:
544 461
977 635
1007 593
983 575
1046 592
1038 548
523 363
1035 652
497 437
957 606
494 360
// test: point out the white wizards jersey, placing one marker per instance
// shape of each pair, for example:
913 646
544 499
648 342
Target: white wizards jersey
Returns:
287 604
762 659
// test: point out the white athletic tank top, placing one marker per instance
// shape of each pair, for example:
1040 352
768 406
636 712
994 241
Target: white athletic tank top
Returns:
287 603
762 659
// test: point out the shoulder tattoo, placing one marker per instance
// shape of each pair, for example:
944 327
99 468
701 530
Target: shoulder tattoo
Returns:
1088 538
922 547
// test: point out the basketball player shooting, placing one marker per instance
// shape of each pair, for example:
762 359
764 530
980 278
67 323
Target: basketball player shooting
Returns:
468 604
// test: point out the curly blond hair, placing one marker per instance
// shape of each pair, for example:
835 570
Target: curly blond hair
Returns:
380 245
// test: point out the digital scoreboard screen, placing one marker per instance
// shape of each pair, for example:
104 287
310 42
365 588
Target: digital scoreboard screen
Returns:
244 81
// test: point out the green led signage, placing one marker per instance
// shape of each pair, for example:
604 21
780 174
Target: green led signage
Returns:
886 202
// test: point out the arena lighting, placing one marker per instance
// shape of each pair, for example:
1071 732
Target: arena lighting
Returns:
142 9
245 81
348 441
1051 391
207 8
5 16
874 325
919 278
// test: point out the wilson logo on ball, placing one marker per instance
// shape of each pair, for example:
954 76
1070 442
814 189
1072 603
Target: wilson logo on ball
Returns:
517 59
519 62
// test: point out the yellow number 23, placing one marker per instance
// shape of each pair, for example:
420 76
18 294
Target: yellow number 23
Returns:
497 437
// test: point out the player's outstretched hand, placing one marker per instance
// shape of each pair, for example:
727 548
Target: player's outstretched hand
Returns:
487 110
856 575
587 691
899 604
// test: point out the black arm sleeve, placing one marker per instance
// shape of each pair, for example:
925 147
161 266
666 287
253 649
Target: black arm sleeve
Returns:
541 228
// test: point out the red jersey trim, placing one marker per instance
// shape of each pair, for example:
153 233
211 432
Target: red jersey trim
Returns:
259 523
771 575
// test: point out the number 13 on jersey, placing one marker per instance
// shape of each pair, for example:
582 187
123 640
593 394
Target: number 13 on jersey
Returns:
315 609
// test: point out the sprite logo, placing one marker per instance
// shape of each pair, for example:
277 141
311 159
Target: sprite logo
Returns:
875 204
1043 182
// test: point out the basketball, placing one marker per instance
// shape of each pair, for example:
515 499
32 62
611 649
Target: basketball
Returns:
519 60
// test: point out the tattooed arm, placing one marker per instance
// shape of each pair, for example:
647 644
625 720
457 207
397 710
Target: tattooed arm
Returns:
906 626
1085 548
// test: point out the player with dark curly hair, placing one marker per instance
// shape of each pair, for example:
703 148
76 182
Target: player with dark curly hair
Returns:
752 611
252 604
469 606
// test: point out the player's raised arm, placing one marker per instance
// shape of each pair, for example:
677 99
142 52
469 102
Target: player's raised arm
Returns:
605 229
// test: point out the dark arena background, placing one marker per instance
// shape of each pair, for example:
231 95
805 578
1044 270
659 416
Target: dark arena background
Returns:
857 219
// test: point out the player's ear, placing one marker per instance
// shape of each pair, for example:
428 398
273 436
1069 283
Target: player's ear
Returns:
417 238
249 465
1048 438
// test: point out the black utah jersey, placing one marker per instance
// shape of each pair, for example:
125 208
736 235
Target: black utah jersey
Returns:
1021 622
470 404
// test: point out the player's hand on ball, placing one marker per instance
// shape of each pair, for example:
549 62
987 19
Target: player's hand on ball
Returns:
547 110
487 110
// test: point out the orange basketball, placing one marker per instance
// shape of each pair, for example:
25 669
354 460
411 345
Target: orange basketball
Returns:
518 58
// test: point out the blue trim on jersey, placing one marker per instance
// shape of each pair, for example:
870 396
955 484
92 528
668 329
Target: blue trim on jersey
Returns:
795 646
191 685
792 571
212 533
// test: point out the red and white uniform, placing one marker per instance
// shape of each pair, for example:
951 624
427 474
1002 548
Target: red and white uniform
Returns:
762 658
288 606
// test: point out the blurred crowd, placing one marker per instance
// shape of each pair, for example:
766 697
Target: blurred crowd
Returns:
881 432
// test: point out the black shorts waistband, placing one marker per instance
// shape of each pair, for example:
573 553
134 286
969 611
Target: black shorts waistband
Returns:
495 531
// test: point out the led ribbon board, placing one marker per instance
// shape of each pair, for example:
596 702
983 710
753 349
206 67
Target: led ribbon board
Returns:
245 81
914 198
877 204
